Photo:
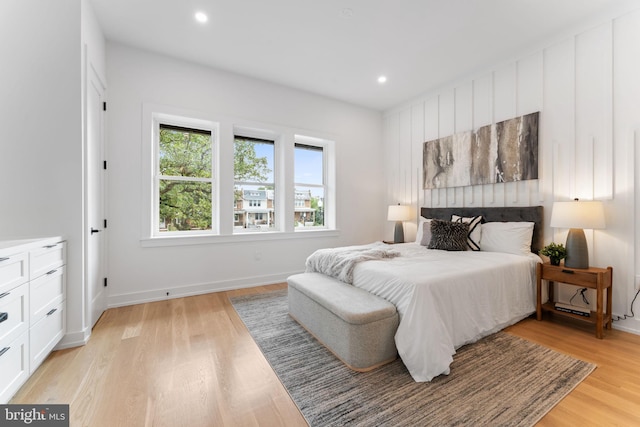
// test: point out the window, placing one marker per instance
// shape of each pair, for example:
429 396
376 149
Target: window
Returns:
310 186
183 182
254 185
190 195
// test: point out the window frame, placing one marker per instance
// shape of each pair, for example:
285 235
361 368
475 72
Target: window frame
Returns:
261 136
223 128
323 145
197 125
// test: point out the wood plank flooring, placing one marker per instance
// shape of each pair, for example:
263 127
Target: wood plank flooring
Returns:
191 362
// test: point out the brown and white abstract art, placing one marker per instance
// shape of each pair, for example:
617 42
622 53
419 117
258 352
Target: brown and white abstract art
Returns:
502 152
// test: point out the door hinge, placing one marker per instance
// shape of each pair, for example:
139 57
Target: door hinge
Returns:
105 282
104 164
104 106
105 223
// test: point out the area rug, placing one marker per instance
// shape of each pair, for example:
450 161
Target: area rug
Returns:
501 380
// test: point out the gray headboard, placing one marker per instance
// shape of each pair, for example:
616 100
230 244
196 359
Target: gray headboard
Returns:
516 214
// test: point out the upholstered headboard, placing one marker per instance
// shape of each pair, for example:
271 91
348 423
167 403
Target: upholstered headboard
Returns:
512 214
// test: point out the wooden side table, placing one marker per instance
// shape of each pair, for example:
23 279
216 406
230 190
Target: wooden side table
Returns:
592 277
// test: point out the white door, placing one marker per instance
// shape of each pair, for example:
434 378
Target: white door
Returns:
96 293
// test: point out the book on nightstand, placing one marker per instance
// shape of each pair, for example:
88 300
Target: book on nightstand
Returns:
580 311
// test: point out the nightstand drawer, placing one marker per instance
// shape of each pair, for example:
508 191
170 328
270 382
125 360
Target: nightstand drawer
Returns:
575 276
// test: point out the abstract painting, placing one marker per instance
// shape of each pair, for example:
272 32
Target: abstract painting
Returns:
502 152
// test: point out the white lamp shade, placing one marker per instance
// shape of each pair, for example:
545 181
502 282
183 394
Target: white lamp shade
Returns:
399 213
577 214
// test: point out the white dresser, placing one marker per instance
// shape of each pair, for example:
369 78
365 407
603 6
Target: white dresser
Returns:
32 307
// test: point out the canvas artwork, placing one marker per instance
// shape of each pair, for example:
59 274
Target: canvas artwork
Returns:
502 152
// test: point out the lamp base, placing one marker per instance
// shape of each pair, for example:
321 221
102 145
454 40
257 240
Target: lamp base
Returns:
577 250
398 236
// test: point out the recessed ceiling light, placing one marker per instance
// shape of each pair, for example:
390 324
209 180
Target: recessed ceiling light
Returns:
382 79
201 17
346 13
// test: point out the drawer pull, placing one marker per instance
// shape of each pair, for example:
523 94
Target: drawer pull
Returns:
52 311
50 246
4 295
4 259
4 350
4 316
52 271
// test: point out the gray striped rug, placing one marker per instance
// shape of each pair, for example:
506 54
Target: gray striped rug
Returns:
501 380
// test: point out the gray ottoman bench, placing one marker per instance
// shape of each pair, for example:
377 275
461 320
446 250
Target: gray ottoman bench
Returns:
357 326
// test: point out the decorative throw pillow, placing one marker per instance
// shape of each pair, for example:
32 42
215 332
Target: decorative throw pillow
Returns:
475 230
448 236
423 237
508 237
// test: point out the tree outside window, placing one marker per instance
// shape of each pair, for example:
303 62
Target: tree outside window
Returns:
185 183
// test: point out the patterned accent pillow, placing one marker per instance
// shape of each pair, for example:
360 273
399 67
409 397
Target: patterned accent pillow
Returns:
448 236
475 230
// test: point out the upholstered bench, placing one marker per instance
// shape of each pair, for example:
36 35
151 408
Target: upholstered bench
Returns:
355 325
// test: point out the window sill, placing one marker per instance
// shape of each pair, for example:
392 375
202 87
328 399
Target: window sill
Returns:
208 239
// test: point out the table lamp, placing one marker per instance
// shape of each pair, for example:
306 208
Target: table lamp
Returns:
576 216
399 213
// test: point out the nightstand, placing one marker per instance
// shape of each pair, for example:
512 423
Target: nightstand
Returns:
600 279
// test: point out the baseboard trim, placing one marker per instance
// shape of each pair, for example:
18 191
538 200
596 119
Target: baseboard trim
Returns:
630 325
74 339
133 298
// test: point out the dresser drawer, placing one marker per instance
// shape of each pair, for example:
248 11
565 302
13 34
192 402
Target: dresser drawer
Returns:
14 271
14 313
14 359
45 334
46 292
46 258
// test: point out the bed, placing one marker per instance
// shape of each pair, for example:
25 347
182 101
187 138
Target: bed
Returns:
446 299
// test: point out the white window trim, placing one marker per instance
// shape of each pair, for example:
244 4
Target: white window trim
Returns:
224 128
328 175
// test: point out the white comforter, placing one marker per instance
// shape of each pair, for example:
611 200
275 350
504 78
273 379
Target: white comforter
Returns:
448 299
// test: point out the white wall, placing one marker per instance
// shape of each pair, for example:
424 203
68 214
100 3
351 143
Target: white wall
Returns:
587 90
41 122
139 273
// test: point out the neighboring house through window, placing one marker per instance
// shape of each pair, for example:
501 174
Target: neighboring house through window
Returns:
310 183
254 182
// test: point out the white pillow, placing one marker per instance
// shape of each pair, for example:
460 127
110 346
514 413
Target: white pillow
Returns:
424 226
475 230
509 237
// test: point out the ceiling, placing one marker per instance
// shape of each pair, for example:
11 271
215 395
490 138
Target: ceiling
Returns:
338 48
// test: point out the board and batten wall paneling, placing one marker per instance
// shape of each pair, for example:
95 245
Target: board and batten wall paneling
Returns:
417 139
626 173
529 100
587 91
405 156
463 123
594 113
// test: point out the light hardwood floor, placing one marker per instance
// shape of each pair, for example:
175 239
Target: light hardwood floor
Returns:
191 362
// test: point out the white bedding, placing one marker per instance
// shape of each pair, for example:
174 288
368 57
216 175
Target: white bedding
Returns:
448 299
